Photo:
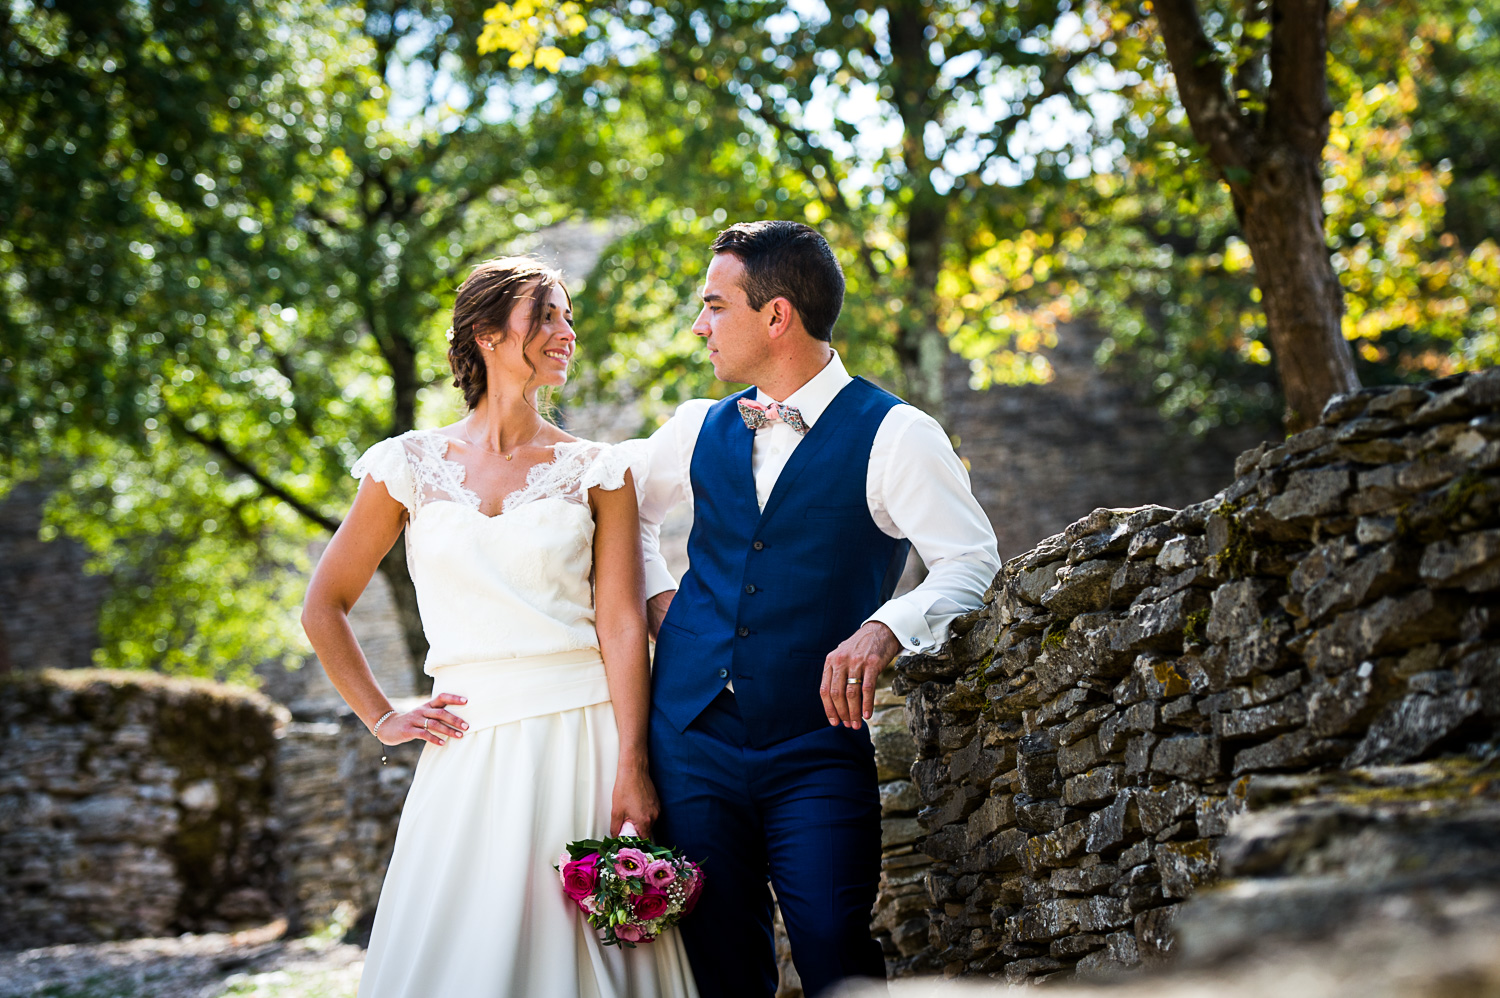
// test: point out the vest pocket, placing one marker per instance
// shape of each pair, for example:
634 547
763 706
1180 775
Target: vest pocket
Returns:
667 625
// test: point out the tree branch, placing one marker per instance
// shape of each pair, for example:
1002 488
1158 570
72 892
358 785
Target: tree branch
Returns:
1216 119
217 445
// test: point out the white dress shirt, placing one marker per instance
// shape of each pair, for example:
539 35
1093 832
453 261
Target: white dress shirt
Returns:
916 488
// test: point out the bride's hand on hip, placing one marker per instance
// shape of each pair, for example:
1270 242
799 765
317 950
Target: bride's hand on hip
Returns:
634 800
429 722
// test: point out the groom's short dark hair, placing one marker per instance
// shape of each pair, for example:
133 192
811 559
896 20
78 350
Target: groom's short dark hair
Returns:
788 260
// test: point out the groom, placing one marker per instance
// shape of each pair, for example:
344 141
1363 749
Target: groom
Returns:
807 491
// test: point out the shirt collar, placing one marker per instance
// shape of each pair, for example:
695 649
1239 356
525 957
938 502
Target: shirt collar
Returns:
818 393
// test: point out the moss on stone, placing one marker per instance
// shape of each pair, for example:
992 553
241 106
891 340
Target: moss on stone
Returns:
1193 631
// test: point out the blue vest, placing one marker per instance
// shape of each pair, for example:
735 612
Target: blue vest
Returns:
769 594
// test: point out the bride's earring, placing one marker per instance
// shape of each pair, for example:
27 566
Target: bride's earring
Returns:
487 346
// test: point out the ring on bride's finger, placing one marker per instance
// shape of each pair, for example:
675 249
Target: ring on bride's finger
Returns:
427 724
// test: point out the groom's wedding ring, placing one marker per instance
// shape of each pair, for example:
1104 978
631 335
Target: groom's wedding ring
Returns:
854 681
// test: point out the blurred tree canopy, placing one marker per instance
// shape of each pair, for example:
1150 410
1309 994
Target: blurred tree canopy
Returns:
230 231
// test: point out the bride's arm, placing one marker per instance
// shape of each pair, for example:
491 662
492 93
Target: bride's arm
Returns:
348 564
620 618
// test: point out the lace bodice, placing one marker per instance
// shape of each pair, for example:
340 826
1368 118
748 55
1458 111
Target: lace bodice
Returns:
492 587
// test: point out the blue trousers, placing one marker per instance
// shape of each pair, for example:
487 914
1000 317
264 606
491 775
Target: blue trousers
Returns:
803 814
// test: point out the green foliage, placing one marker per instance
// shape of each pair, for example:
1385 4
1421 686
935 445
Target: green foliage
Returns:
229 232
286 246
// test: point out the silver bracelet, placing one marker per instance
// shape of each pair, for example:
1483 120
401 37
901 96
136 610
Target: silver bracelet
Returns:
383 718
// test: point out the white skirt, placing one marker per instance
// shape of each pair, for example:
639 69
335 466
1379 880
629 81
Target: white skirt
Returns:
471 904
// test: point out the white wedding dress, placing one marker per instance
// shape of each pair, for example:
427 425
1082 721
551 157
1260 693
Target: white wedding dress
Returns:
471 904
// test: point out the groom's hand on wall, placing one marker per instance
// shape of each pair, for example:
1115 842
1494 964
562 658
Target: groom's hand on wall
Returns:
656 610
862 655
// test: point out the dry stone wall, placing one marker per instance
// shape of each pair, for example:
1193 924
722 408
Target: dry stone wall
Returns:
1085 737
133 805
339 808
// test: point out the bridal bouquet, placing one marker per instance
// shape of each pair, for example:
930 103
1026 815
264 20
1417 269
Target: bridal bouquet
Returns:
628 886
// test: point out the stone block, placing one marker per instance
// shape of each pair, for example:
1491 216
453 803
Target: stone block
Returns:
1021 971
1138 754
994 814
1108 827
1310 493
1000 854
1048 920
1238 608
1378 573
899 831
1160 677
1100 965
954 804
1413 726
1160 806
1181 553
1081 755
1186 866
1096 785
1267 719
1158 626
1083 725
1148 543
974 763
898 797
1291 750
1043 852
895 750
1038 816
1470 561
947 845
1076 945
1190 757
1084 879
1081 588
1032 583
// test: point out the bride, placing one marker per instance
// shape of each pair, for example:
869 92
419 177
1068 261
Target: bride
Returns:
524 547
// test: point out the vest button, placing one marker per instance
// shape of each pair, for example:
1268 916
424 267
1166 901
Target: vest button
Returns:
743 632
759 545
750 589
723 673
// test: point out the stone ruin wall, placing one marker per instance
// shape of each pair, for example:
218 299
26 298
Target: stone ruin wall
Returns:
132 805
1085 737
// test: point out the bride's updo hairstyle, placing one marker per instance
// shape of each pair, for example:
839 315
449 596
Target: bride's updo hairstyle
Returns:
483 305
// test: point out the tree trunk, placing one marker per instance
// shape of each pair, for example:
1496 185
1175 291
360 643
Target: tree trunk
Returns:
1272 160
1282 217
920 346
404 595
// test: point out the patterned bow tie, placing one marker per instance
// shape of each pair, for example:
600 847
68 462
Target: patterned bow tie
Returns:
756 415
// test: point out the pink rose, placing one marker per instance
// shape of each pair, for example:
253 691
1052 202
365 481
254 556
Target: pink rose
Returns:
631 862
630 933
579 877
659 873
649 905
693 891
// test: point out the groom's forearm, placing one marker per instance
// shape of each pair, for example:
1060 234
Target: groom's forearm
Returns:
656 610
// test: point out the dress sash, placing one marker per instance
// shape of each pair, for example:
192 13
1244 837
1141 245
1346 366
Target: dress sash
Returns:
511 689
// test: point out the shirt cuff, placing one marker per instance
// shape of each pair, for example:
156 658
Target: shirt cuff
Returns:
909 624
658 579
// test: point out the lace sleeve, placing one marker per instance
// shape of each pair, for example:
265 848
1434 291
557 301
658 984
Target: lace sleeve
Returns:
386 463
606 470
